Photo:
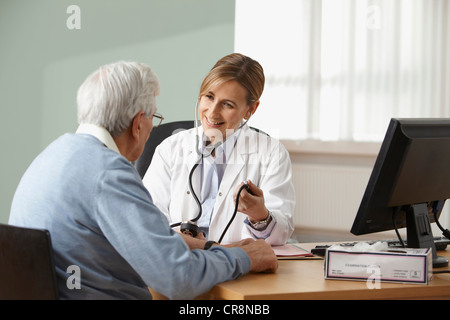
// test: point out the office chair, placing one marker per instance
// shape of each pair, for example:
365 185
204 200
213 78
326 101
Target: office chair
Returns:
157 135
27 269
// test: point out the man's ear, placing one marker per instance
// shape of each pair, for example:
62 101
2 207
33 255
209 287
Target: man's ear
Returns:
136 125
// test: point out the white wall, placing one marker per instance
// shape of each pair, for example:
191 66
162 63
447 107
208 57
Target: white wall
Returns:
330 179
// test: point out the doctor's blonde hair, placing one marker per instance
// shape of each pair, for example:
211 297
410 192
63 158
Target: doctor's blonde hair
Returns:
246 71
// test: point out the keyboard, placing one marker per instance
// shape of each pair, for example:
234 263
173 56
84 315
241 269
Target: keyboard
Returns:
439 242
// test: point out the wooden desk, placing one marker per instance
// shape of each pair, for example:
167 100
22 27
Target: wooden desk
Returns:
304 279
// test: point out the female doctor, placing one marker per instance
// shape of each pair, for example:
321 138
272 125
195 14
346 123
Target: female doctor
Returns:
228 152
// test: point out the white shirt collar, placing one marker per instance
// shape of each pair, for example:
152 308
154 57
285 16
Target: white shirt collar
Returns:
100 133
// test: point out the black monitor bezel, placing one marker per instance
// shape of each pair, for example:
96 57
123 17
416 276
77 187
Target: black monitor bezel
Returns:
375 213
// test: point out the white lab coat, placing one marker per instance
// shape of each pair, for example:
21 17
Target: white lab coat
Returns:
256 156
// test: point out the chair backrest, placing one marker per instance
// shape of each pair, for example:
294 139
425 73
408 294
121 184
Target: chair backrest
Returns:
27 269
157 135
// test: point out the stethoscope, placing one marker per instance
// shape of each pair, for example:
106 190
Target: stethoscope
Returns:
190 227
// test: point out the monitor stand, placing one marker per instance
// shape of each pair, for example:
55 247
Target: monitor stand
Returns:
419 234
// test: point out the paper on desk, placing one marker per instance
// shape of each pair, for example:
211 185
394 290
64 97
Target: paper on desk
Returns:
290 251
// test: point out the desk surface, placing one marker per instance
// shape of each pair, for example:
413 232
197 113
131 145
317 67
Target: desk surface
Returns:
304 279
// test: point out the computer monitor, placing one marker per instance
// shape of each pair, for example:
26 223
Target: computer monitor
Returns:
410 182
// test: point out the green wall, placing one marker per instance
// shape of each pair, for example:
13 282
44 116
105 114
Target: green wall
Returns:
42 63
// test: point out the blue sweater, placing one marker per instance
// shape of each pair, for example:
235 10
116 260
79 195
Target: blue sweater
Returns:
102 219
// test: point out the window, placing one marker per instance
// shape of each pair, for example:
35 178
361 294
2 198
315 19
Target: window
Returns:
340 69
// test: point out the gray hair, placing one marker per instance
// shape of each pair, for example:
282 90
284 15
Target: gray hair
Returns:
113 94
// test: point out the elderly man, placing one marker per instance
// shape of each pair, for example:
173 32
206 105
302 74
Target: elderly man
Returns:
101 218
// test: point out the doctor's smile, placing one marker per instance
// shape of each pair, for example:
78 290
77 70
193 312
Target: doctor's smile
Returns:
214 124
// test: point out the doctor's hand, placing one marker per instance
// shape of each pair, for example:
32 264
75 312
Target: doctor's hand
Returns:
252 203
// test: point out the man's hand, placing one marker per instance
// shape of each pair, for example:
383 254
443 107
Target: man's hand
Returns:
239 243
261 255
